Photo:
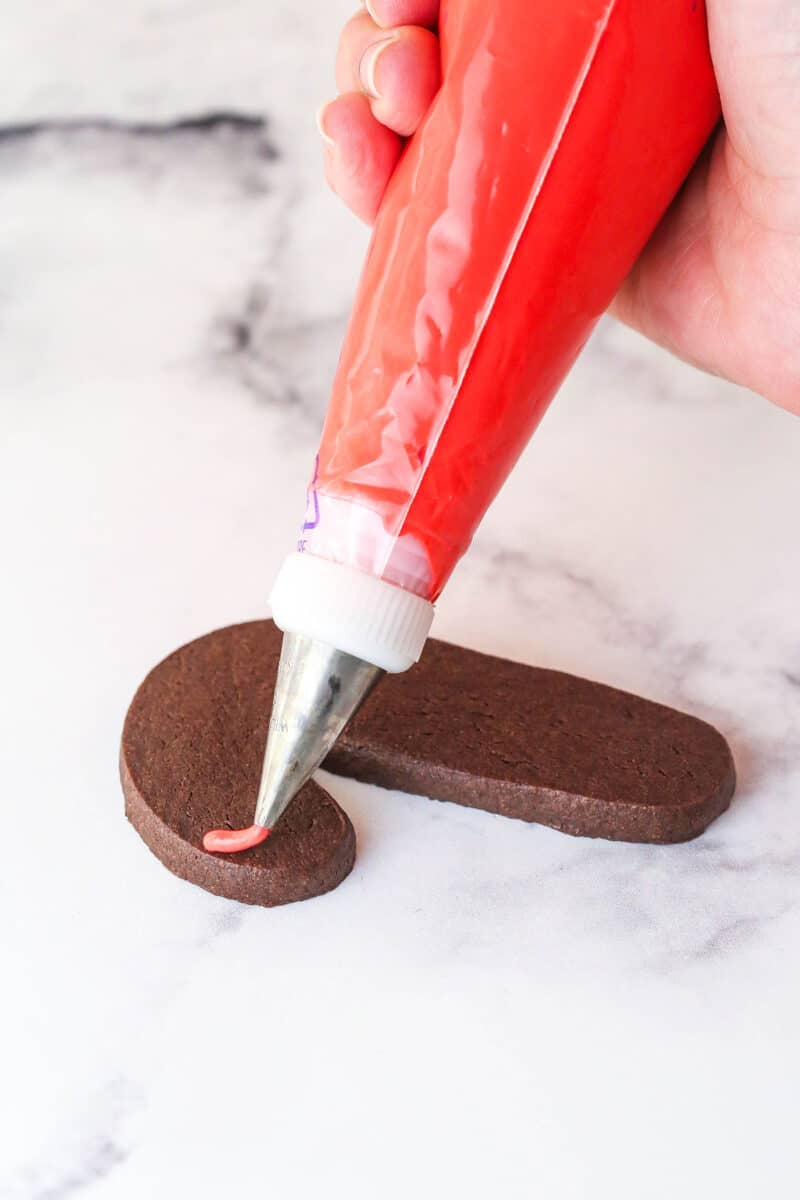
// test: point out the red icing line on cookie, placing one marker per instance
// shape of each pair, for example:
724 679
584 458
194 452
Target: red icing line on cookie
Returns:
229 841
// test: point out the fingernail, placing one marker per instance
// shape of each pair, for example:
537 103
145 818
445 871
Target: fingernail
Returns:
368 65
370 7
326 137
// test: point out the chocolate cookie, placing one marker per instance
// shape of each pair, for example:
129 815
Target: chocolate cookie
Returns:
541 746
191 759
520 741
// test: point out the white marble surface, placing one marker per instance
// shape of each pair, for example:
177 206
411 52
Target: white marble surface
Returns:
483 1008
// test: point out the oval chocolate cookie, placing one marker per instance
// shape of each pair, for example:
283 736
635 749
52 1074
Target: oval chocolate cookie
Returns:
191 759
541 746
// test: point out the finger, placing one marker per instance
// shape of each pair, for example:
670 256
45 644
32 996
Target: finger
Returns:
398 70
358 34
360 153
401 75
387 13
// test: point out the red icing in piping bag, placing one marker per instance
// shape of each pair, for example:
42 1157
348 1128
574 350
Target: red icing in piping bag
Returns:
230 841
559 136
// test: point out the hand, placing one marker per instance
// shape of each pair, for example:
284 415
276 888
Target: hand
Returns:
719 283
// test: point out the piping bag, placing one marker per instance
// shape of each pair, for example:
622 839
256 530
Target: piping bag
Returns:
561 132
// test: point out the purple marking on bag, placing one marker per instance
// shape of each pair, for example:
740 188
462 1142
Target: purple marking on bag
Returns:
312 498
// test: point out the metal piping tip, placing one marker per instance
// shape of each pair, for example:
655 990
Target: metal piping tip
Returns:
316 693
